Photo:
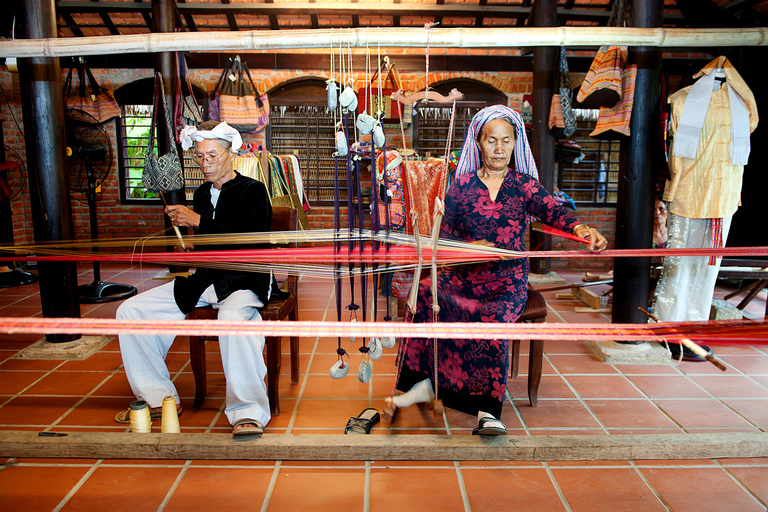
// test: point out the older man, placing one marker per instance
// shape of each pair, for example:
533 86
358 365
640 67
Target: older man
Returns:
226 203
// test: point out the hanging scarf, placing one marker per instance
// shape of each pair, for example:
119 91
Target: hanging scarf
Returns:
190 134
691 122
469 160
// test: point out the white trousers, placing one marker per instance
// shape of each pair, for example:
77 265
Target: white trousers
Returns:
687 283
242 356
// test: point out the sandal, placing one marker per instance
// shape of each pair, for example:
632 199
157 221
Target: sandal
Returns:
484 429
390 410
248 427
125 416
363 422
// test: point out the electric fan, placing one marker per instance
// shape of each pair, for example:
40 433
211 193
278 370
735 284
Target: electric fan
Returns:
89 158
13 178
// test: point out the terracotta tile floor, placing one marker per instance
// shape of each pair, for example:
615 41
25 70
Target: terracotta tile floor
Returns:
578 395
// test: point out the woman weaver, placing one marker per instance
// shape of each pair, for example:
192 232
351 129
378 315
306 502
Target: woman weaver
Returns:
488 203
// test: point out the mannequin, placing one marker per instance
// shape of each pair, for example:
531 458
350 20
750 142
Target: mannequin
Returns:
711 122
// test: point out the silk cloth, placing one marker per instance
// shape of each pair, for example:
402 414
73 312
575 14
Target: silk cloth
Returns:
472 374
687 283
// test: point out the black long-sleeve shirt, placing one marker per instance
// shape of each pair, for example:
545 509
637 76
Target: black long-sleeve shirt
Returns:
243 207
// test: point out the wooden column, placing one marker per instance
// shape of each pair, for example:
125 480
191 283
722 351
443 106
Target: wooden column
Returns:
164 20
542 142
42 107
634 208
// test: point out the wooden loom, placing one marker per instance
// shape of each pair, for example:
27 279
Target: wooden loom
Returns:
400 447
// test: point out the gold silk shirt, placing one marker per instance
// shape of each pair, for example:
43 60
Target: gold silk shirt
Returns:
709 186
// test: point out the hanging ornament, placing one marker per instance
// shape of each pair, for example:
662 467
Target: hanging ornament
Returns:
348 98
365 123
387 341
333 92
374 349
341 141
378 135
339 368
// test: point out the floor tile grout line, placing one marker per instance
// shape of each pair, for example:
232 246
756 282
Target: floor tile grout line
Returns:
739 483
271 487
519 414
734 411
462 487
305 381
174 486
578 396
650 399
77 486
83 399
653 489
367 487
556 485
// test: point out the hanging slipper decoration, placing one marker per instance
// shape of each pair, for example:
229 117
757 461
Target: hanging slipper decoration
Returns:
339 368
365 123
387 341
365 370
378 135
341 141
348 98
374 349
333 93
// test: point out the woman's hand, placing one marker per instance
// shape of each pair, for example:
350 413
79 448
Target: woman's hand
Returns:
182 216
597 241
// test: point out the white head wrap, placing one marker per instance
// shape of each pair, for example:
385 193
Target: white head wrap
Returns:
190 134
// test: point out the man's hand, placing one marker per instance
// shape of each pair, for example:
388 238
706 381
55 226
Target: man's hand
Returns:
597 241
182 216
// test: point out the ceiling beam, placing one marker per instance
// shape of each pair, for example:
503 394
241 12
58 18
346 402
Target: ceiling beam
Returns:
70 21
706 13
740 5
344 8
230 18
108 23
188 18
273 23
146 10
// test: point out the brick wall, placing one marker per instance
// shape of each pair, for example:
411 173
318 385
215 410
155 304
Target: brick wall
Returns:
118 220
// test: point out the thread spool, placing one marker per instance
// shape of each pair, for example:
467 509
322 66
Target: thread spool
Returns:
169 424
141 422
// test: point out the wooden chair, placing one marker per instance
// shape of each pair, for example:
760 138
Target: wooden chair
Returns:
283 219
535 311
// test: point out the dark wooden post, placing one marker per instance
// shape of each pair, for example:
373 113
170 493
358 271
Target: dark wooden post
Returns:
542 142
164 20
42 107
634 209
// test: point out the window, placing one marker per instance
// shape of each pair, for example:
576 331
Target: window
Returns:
135 101
431 121
591 179
302 125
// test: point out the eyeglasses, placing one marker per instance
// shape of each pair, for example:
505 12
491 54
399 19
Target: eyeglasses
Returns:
211 159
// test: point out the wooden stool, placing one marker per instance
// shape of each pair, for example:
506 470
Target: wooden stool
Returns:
535 311
283 219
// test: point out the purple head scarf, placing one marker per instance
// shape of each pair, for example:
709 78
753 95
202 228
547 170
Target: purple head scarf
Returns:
469 161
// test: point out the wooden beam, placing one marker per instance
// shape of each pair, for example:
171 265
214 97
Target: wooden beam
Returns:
346 8
188 18
230 18
108 445
70 21
108 23
146 9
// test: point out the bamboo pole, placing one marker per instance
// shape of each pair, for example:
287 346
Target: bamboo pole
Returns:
391 38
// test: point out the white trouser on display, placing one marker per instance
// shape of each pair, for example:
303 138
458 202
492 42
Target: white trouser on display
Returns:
687 283
241 356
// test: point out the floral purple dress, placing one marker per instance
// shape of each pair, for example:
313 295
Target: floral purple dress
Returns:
472 374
